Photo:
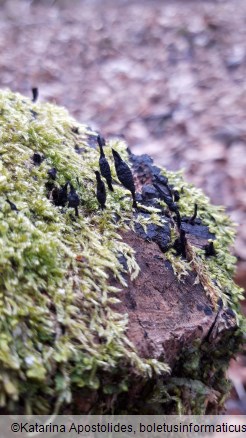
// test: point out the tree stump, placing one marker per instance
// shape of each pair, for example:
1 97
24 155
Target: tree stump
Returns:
119 310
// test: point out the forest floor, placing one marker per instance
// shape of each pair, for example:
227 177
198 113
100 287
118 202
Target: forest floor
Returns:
168 76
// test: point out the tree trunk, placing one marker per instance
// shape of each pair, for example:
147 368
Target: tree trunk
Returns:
116 311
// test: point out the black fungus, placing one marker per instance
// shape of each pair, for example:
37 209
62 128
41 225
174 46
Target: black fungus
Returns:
34 94
75 130
178 219
101 141
124 175
12 205
49 185
180 244
101 191
73 199
103 163
166 195
176 195
60 196
209 249
37 158
77 149
52 173
193 217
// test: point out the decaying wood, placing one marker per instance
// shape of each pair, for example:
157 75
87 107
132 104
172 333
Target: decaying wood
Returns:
170 320
166 315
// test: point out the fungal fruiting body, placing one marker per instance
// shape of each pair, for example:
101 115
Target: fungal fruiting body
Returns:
167 197
34 94
12 205
209 249
180 244
178 219
101 191
59 196
124 175
52 173
73 199
37 158
193 217
176 195
103 163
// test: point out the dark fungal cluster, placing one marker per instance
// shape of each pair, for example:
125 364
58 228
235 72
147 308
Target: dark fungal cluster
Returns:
103 163
124 175
155 187
123 172
37 158
101 190
34 94
61 197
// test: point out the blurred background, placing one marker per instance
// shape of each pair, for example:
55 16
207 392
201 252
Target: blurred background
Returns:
167 75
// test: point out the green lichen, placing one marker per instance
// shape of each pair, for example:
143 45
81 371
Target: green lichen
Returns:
57 328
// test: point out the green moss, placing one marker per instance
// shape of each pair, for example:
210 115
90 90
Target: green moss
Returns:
57 329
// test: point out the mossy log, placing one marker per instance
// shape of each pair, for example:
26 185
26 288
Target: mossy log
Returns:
118 310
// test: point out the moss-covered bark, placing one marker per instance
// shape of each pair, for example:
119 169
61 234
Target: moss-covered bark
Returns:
63 345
